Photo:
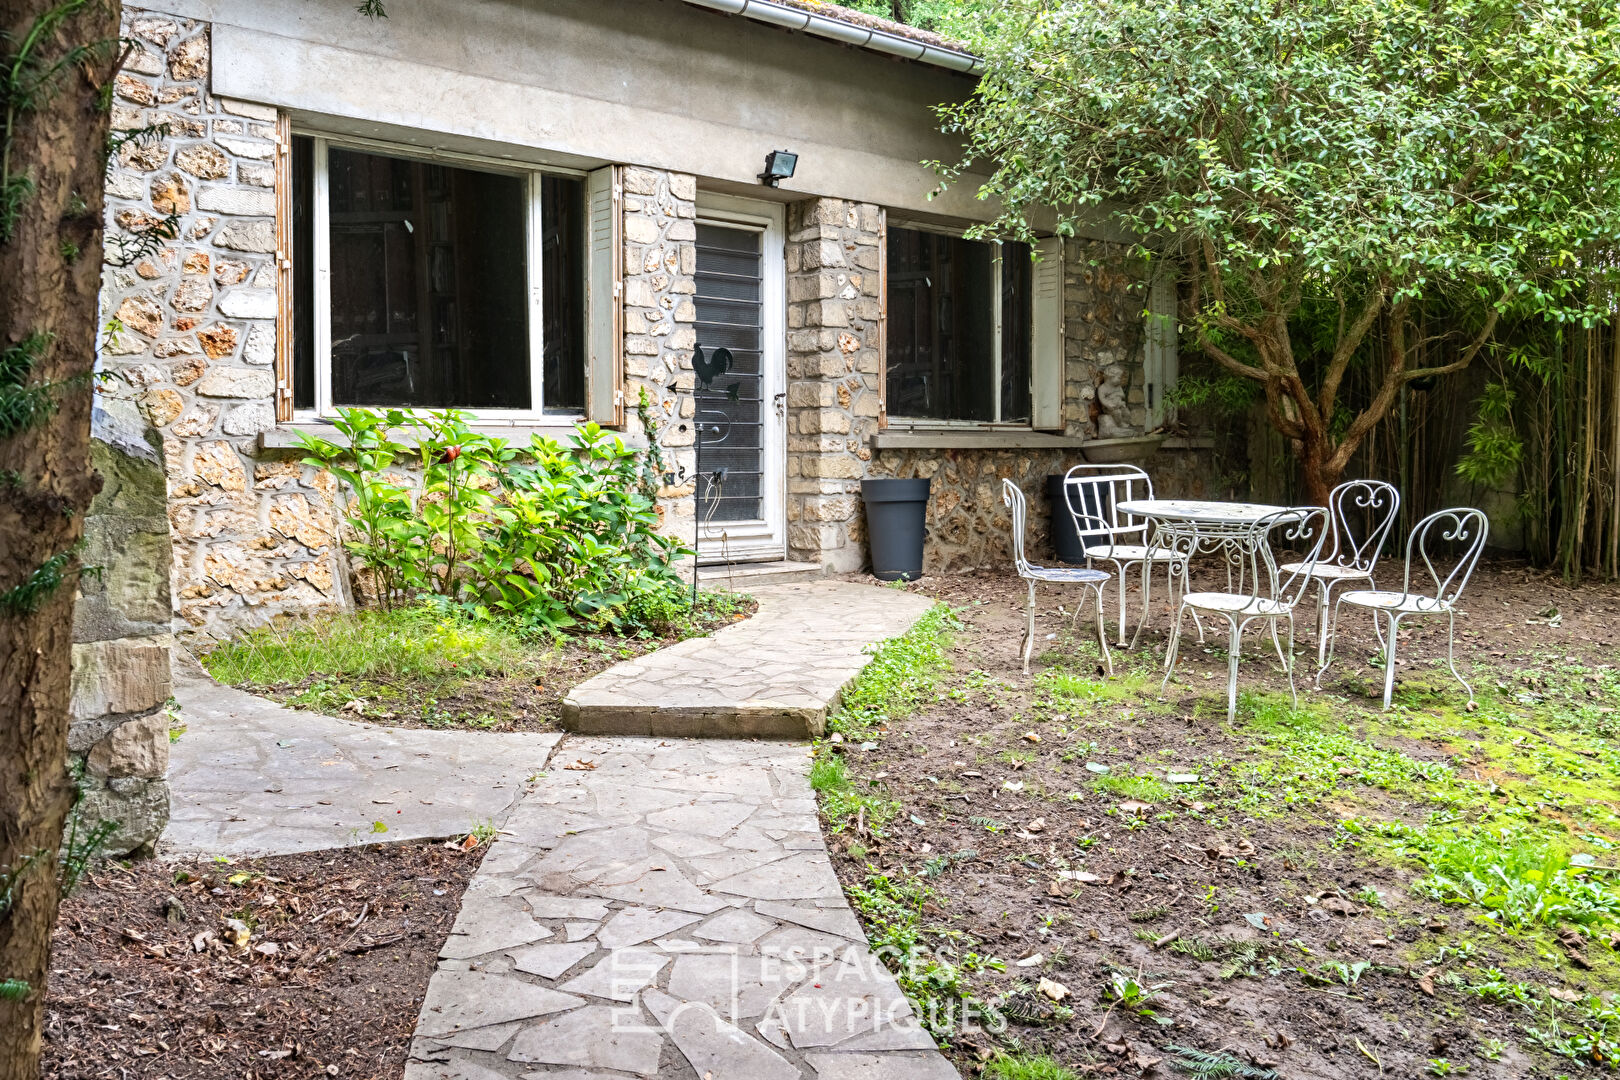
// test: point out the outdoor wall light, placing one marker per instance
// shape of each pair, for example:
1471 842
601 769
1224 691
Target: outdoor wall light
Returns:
779 166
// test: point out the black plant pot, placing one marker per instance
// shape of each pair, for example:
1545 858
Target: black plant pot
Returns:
896 524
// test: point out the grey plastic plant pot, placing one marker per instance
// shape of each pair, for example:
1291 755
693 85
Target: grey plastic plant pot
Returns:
896 523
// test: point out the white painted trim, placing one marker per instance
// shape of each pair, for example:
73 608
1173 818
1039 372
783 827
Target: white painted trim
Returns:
767 537
321 223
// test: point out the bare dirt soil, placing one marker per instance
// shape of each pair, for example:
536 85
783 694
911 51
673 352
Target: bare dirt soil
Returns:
308 965
1165 887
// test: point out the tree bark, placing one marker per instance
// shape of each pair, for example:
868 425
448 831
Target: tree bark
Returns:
51 269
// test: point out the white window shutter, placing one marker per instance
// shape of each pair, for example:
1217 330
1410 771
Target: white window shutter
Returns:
1160 357
604 367
1046 337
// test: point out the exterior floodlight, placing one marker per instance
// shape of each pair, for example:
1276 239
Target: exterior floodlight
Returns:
779 166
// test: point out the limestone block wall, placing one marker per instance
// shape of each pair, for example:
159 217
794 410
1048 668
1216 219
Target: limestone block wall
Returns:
1103 339
833 372
118 736
195 342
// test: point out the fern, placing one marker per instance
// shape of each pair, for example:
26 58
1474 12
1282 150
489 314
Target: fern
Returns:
1197 948
23 406
1212 1066
26 598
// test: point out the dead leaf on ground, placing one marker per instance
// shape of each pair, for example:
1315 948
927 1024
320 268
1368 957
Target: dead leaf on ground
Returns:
1134 806
1054 990
580 765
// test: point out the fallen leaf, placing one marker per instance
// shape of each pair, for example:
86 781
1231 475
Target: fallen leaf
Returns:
1259 920
1426 983
1134 806
1098 767
237 932
1054 990
1031 736
1565 994
580 765
1037 825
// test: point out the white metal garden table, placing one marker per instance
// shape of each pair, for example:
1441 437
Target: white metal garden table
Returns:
1192 526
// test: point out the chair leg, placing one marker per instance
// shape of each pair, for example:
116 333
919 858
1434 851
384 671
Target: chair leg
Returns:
1102 634
1029 626
1277 643
1389 660
1124 568
1333 626
1323 599
1451 633
1289 666
1231 670
1171 650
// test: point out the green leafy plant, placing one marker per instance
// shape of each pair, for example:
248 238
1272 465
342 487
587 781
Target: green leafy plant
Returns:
553 534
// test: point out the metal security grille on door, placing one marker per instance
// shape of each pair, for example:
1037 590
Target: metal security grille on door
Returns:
729 315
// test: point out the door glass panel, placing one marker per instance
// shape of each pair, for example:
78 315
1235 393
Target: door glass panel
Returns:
731 411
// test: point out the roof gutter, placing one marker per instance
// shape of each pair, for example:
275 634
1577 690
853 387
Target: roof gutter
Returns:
792 18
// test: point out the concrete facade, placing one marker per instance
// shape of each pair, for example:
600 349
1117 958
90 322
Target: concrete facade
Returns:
686 102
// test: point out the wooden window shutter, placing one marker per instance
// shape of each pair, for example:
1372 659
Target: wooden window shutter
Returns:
882 342
284 269
1046 336
1160 358
604 367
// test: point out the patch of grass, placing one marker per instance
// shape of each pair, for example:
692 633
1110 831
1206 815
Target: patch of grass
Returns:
1307 756
931 963
1028 1067
1517 876
841 802
901 674
1146 789
415 643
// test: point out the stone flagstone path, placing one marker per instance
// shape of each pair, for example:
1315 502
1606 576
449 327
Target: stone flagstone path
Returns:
665 908
250 777
775 675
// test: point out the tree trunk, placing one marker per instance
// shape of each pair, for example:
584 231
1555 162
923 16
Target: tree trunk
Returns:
51 270
1316 470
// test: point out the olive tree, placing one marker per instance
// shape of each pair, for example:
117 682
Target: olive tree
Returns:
1363 155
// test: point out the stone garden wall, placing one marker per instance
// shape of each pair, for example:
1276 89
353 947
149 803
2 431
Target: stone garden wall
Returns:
119 733
194 347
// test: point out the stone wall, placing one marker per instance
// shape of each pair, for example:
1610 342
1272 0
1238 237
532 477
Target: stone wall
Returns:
833 370
660 259
118 737
1103 337
196 349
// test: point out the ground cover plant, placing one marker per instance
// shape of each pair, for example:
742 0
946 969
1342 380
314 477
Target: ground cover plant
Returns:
424 665
1118 883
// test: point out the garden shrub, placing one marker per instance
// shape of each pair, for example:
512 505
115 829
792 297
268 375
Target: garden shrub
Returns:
551 534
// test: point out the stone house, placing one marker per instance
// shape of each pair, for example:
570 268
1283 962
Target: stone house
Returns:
539 212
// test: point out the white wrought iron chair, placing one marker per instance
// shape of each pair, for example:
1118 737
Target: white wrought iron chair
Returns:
1362 512
1109 537
1275 594
1463 529
1092 580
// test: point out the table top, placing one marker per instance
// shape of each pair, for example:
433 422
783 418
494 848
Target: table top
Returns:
1199 510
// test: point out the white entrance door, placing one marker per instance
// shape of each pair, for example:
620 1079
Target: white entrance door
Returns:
741 309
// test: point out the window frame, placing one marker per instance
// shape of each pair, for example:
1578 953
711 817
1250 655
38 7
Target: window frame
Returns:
321 222
900 422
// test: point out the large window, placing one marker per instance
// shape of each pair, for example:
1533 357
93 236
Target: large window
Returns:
959 328
421 284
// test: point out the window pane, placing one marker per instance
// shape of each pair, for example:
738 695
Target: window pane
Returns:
562 216
730 315
1015 332
941 327
428 291
303 179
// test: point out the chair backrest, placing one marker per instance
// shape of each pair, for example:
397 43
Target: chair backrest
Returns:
1013 496
1305 529
1363 513
1444 548
1094 492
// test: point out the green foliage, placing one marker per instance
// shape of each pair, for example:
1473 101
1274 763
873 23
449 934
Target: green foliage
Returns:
964 20
1316 163
1494 448
1214 1065
1516 876
1028 1067
842 803
901 673
26 598
29 79
24 405
930 963
1225 395
13 990
553 535
416 643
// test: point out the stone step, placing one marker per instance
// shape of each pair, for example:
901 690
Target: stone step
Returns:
744 576
773 676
